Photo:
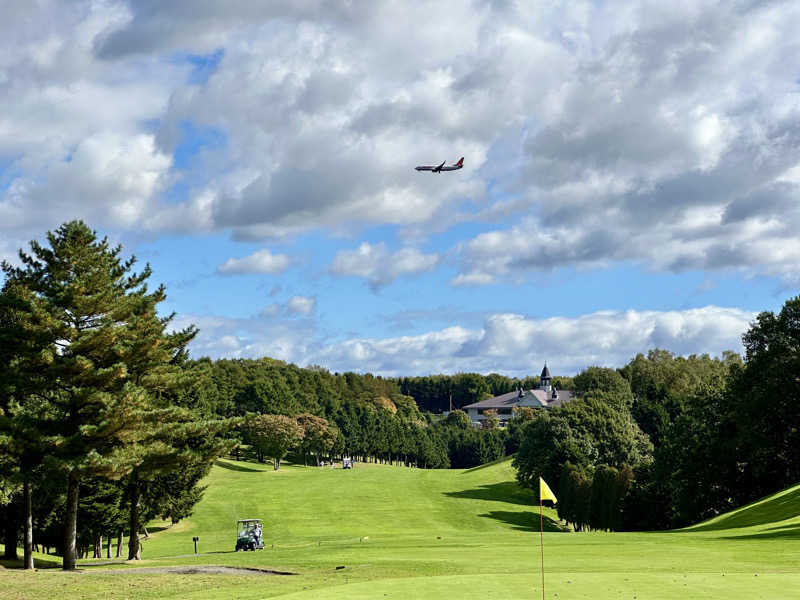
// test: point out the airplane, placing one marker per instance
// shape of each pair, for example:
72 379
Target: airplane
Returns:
441 167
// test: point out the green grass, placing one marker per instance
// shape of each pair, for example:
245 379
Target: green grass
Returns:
408 533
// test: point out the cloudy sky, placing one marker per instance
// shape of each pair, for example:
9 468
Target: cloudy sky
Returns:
631 170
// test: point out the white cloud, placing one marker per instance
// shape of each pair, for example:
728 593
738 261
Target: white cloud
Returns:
376 264
263 335
301 305
507 343
474 278
262 261
611 338
661 134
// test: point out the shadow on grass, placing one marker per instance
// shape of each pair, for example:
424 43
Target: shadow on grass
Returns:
524 521
489 464
782 507
506 491
156 529
786 532
38 563
236 467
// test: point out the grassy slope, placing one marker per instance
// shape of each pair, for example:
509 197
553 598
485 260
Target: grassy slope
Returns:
436 534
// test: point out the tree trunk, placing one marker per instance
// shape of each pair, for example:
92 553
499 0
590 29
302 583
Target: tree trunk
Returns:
276 463
119 543
108 547
133 522
28 543
98 546
71 522
10 532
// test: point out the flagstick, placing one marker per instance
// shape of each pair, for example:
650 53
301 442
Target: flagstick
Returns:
541 542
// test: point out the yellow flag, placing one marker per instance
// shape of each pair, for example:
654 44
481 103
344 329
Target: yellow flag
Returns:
545 493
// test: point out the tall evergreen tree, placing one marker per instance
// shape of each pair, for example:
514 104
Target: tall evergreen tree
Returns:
22 443
106 357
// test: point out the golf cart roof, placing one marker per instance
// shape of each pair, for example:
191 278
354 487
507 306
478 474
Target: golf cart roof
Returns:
249 521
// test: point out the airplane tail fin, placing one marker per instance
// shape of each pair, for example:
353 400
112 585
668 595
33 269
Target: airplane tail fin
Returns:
460 162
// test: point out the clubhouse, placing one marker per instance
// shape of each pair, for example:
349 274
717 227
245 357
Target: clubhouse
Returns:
545 396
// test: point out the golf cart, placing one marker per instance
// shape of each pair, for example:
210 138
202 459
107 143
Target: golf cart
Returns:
249 535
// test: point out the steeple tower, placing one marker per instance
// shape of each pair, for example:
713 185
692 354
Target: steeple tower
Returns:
545 381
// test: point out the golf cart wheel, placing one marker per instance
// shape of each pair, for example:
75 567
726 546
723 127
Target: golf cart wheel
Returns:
252 547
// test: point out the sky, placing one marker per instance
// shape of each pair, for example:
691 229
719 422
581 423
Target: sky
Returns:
630 181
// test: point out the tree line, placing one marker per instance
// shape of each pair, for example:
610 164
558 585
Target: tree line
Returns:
362 416
667 441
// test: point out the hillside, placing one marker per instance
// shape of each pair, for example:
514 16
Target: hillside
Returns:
410 533
302 505
777 515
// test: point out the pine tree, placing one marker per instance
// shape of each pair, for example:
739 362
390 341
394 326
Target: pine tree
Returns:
184 448
22 444
106 357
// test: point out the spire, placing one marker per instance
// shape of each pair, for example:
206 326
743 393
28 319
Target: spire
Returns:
545 379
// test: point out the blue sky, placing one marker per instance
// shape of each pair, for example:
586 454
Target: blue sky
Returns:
631 172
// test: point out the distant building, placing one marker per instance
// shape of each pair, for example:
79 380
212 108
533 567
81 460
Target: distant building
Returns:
545 396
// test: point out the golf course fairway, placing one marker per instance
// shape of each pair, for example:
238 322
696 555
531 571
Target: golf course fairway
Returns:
382 531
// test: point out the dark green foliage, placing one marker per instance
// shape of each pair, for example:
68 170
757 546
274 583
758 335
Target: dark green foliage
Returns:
585 432
574 496
274 435
682 403
95 374
515 426
768 407
100 511
173 495
663 383
458 418
604 384
373 420
472 447
594 434
318 436
548 442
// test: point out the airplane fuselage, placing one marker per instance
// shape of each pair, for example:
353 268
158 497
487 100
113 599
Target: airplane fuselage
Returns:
441 167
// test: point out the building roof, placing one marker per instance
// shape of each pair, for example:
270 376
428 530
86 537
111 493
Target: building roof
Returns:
545 372
532 398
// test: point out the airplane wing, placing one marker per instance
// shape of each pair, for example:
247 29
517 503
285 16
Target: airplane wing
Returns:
433 168
442 167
